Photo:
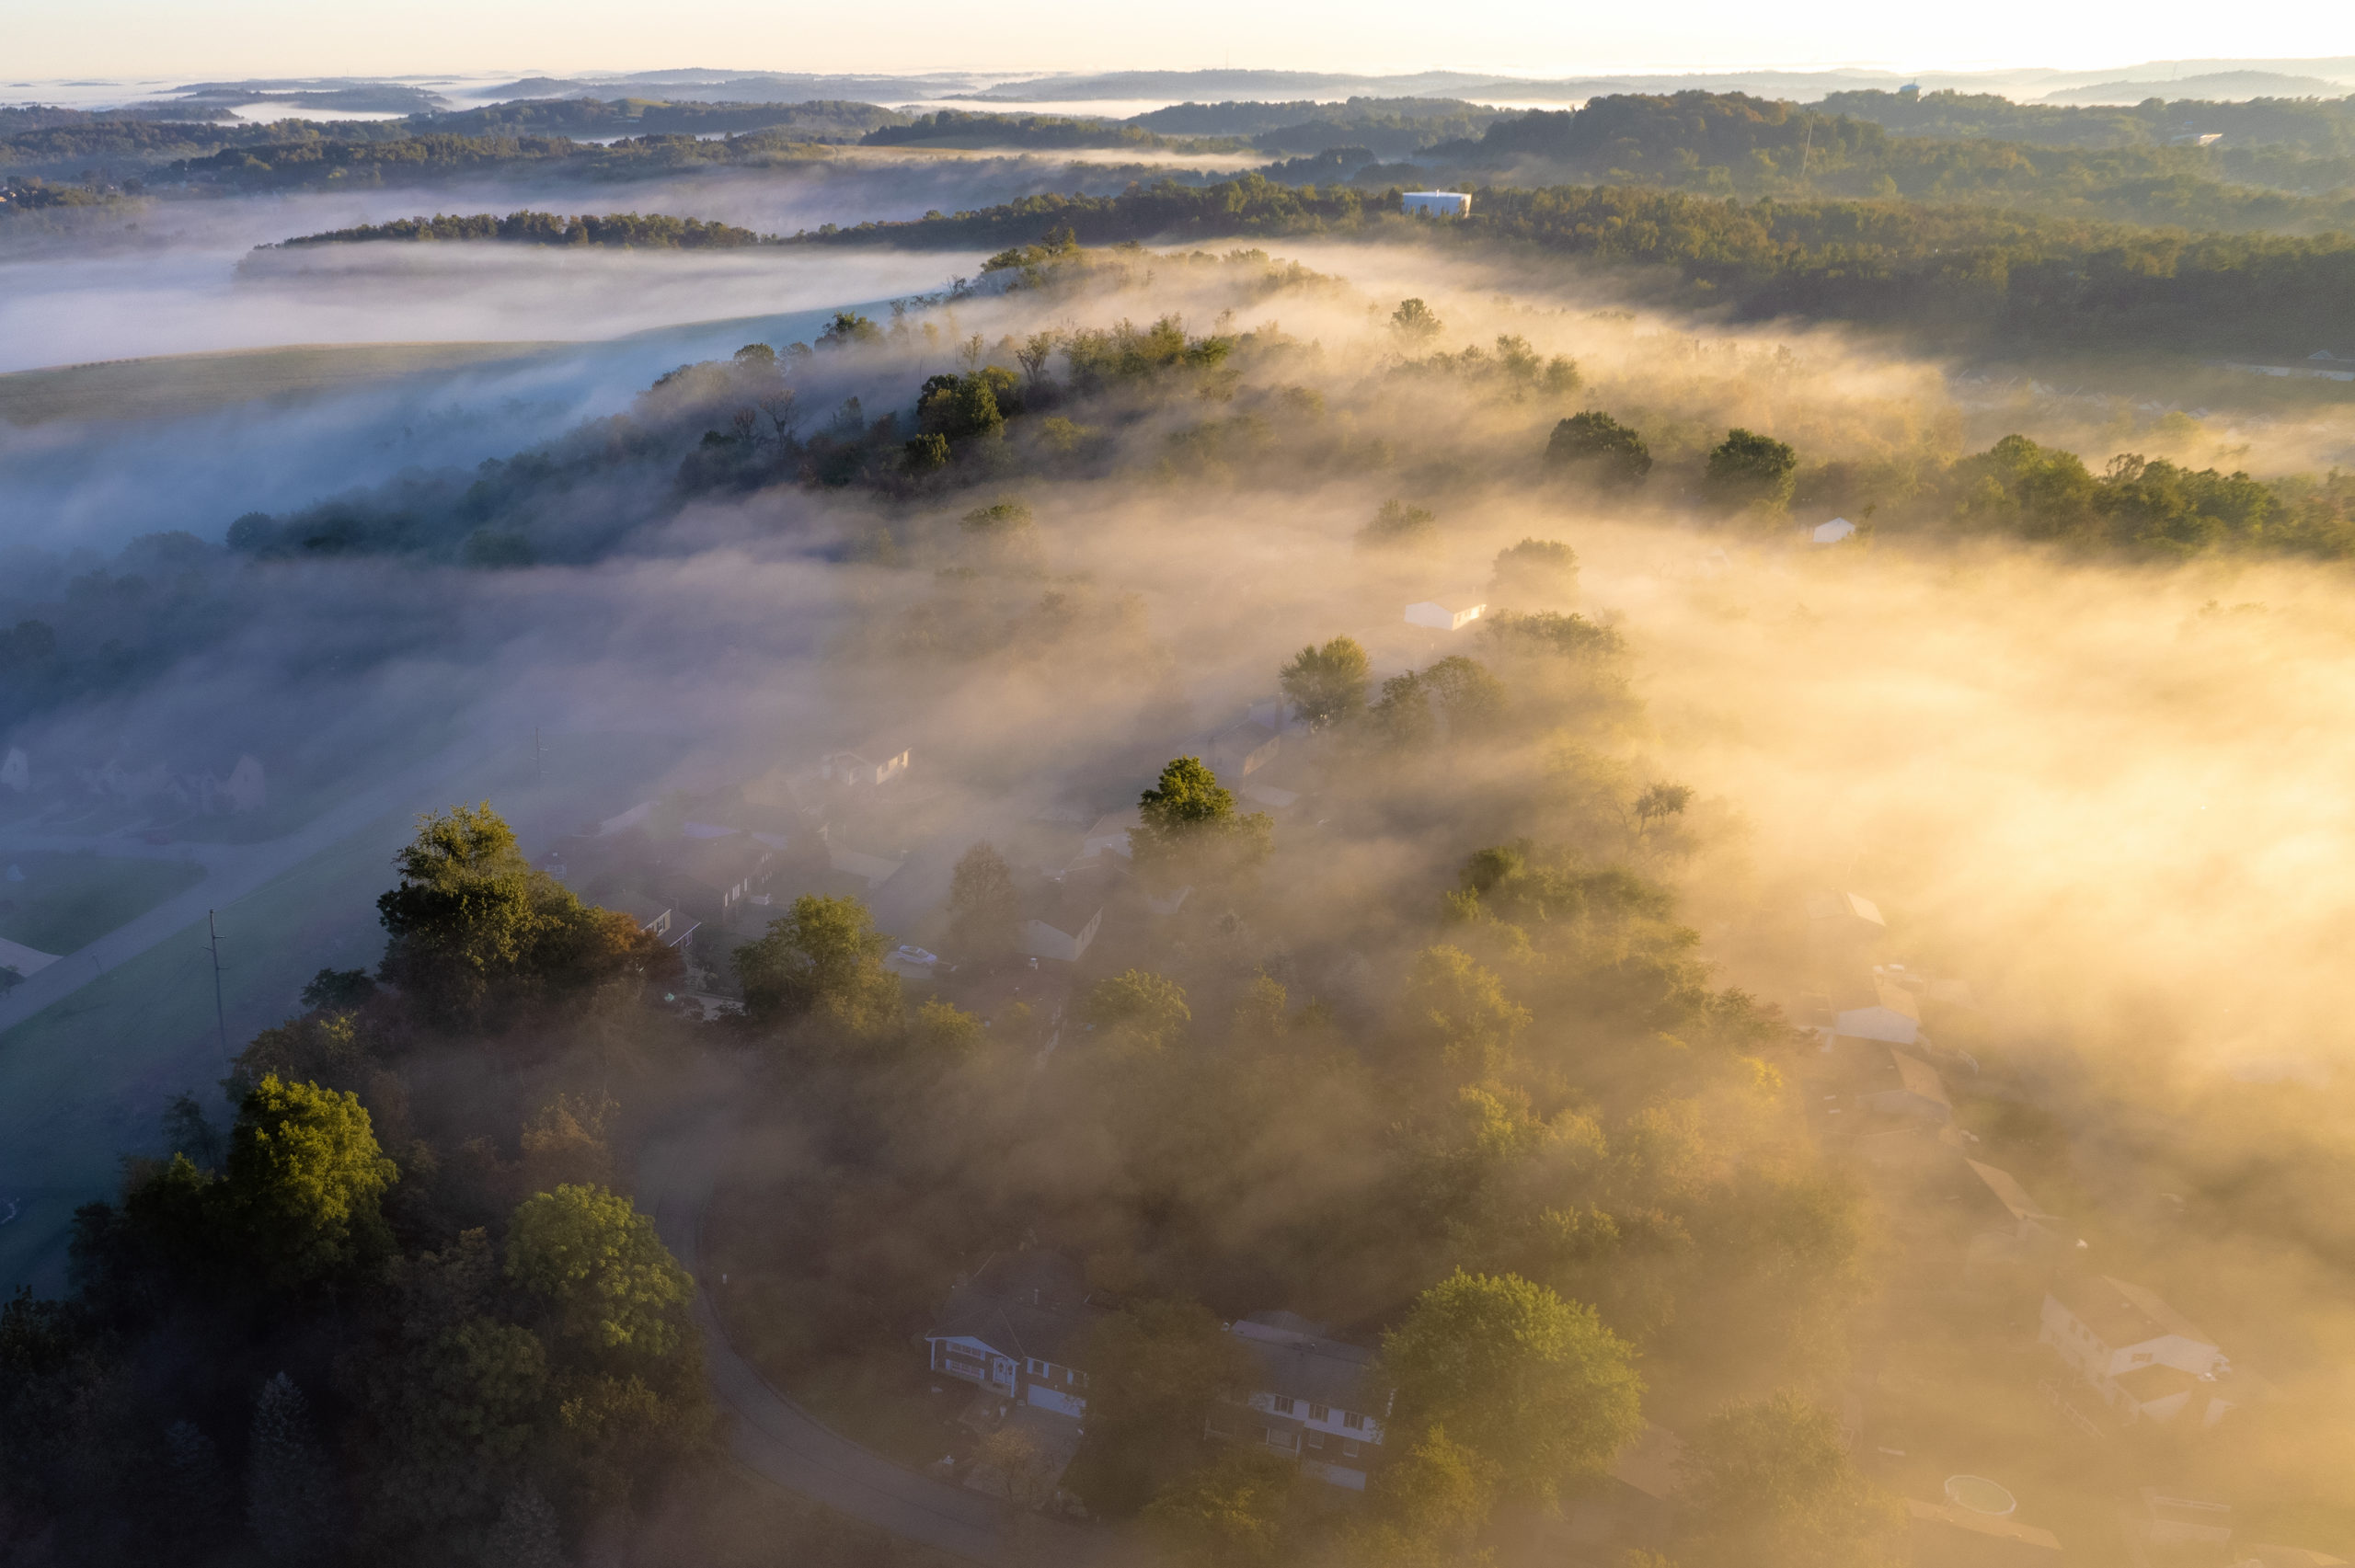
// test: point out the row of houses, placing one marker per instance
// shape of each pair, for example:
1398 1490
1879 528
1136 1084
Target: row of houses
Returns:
1019 1329
2145 1360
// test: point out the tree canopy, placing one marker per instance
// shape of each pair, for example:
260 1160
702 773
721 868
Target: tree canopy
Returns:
605 1275
1534 1384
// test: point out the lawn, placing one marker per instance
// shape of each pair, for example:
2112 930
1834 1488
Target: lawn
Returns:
67 900
177 384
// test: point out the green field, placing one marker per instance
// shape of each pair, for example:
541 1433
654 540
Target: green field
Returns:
85 1081
177 384
66 900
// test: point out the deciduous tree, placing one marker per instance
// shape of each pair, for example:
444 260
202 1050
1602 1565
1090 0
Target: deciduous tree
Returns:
1531 1383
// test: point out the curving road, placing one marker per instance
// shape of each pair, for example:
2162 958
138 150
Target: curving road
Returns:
783 1443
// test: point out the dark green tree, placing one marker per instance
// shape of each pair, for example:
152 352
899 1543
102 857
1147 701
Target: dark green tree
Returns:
292 1498
1770 1482
1155 1370
1327 685
608 1281
848 329
303 1184
824 959
1187 823
1137 1010
1535 571
1749 471
1599 449
1415 321
984 911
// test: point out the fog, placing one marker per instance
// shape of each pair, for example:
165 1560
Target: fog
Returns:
2108 795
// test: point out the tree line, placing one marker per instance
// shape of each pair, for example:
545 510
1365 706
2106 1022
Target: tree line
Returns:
1987 271
657 231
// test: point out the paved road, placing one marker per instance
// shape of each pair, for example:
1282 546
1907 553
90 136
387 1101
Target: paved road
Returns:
784 1444
231 872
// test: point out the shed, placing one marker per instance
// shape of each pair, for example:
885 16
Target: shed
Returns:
1448 613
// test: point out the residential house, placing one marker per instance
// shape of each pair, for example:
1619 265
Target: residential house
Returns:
1831 533
1889 1013
1244 749
2147 1361
1063 919
1109 835
2263 1556
2181 1521
658 916
1843 927
1310 1400
1918 1092
873 869
1020 1329
714 869
2028 1220
1448 613
1647 1471
1944 1535
875 764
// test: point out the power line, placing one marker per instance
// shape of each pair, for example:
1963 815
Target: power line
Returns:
220 1013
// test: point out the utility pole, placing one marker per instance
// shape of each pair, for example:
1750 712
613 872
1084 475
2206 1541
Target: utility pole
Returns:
220 1013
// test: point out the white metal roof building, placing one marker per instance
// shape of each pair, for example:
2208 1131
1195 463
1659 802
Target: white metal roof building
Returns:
1437 203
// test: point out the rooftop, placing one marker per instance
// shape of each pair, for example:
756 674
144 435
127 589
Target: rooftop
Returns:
2125 1314
1029 1303
1295 1360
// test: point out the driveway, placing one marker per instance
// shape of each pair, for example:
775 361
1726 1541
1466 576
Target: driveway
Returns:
778 1440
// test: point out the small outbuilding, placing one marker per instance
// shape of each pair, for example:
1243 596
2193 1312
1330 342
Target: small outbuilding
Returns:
1449 613
1833 533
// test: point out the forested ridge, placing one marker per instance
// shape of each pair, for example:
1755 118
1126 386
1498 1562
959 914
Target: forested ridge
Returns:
1929 269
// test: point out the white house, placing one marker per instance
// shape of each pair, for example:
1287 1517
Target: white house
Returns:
1064 926
1831 533
876 764
1020 1329
1437 203
2147 1361
1846 909
1891 1015
1311 1400
1448 614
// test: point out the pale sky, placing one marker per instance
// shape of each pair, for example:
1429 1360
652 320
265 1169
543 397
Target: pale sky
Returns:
193 40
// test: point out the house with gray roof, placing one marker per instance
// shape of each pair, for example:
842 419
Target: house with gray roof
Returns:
1020 1328
1313 1399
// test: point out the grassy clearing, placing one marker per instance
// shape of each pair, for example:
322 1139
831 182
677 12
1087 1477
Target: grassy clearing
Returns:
66 900
177 384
